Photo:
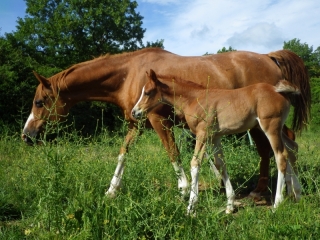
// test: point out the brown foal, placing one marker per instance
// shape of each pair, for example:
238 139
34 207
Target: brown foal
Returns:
212 113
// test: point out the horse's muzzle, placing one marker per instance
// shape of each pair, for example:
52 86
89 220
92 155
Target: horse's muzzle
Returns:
26 139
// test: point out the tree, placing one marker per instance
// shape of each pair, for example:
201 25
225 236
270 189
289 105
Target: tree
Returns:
64 32
15 89
224 49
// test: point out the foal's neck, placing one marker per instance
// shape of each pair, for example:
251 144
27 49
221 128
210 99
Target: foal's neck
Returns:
181 93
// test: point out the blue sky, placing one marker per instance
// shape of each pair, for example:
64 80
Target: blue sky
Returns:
194 27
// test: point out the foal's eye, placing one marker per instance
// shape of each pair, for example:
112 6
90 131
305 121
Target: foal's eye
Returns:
39 103
147 93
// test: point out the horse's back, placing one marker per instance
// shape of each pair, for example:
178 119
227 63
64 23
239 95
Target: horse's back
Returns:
224 70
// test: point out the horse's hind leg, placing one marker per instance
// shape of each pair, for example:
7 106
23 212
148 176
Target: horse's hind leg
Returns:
220 165
117 176
263 148
292 180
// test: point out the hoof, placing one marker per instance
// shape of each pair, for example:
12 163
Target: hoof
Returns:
256 196
229 210
110 194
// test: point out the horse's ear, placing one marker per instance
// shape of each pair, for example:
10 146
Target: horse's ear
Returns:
45 82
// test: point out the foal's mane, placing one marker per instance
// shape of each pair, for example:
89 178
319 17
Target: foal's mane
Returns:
185 84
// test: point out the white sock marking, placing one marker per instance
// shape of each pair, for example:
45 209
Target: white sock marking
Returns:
116 179
182 179
194 189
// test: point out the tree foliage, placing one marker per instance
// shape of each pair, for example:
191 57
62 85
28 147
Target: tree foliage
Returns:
64 32
224 49
15 69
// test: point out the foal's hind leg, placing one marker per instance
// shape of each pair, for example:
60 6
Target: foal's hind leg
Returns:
273 130
264 149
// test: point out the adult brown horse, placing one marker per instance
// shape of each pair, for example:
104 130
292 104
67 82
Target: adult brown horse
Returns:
213 113
119 79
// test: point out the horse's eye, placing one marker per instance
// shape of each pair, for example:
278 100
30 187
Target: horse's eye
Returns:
39 103
147 93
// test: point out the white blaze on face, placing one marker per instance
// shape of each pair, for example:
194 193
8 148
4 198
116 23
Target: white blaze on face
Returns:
135 108
30 118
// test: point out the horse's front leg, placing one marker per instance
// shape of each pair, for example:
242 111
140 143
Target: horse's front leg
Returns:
163 128
117 177
292 181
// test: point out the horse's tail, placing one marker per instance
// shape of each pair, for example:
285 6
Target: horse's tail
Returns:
294 71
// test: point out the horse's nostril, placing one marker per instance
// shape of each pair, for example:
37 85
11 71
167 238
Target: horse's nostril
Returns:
26 139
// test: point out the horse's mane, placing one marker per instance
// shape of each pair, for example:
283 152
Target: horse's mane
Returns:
60 77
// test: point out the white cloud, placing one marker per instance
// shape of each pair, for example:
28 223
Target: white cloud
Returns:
261 34
193 27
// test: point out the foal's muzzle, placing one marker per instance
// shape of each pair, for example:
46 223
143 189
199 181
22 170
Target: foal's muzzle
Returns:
136 113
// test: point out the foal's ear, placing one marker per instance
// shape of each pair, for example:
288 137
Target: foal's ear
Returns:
152 76
45 82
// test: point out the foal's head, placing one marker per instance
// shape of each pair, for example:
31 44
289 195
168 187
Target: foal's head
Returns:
47 106
151 95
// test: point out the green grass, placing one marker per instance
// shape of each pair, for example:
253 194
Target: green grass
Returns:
56 191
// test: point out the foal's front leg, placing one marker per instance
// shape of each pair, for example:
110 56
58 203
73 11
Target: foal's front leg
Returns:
220 165
195 167
163 128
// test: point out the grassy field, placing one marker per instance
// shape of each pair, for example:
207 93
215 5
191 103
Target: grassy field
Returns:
56 191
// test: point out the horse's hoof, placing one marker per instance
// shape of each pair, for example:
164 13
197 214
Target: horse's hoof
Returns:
110 194
229 210
256 196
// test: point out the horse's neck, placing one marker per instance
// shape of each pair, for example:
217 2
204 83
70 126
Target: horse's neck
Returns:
95 81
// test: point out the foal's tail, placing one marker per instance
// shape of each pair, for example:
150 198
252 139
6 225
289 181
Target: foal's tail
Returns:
284 86
294 71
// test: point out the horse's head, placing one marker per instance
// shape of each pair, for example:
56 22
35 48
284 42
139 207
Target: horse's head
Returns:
151 95
47 105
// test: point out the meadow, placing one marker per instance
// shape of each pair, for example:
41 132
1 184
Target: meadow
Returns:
56 191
